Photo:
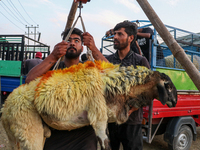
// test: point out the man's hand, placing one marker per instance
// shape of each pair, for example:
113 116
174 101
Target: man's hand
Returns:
132 110
88 41
59 50
109 32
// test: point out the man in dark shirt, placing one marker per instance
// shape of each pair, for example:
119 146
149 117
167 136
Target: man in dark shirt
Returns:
144 36
79 139
129 133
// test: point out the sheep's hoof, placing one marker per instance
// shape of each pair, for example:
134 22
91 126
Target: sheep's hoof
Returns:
107 145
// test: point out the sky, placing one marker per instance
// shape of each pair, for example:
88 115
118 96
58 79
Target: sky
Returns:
98 16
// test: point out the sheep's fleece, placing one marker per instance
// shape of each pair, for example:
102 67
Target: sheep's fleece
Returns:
84 94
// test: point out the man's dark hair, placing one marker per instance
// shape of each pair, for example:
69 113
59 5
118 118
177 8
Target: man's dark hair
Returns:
84 57
130 28
75 31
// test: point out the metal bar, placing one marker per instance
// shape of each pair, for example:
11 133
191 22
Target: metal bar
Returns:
35 41
20 80
150 122
189 51
22 53
156 130
108 50
101 49
1 51
48 50
19 35
0 94
12 52
8 52
188 43
17 52
36 46
191 92
151 59
10 43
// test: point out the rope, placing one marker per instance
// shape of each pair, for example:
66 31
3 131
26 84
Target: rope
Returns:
66 39
89 52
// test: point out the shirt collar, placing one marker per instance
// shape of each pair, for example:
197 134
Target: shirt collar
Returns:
127 56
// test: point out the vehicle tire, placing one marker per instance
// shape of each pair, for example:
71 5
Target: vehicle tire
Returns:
183 140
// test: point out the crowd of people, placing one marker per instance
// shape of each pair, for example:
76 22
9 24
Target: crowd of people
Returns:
131 49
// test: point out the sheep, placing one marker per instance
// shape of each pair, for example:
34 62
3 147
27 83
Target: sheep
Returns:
169 61
84 94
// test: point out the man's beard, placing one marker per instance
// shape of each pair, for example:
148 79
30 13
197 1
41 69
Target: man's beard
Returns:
73 55
120 46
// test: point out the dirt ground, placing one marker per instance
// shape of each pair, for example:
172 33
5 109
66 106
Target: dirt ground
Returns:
157 144
4 145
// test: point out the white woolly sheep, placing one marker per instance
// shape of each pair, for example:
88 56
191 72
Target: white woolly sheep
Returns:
60 98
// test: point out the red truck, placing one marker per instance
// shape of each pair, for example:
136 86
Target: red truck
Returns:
178 124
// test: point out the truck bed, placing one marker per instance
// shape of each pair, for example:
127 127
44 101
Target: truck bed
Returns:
188 105
10 83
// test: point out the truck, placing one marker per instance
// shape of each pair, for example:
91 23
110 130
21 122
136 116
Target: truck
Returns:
178 124
14 50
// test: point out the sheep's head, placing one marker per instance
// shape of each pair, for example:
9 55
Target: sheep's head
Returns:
167 91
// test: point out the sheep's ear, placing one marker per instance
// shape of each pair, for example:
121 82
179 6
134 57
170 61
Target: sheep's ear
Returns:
162 92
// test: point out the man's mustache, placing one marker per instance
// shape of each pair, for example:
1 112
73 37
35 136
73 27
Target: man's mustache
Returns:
71 47
116 41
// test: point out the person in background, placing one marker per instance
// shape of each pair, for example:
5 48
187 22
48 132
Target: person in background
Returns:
30 63
129 133
144 36
84 57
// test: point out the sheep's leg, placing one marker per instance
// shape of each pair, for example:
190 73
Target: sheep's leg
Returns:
47 133
33 135
25 132
98 118
14 145
100 130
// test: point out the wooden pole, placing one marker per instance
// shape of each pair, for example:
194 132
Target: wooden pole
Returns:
175 48
71 16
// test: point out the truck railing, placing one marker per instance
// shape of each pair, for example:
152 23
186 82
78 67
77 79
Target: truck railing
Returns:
14 50
21 47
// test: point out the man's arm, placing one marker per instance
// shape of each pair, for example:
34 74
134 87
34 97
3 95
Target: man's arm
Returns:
109 32
138 47
59 51
147 34
89 42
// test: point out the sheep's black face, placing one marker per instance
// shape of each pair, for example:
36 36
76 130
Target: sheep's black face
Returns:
172 94
167 91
